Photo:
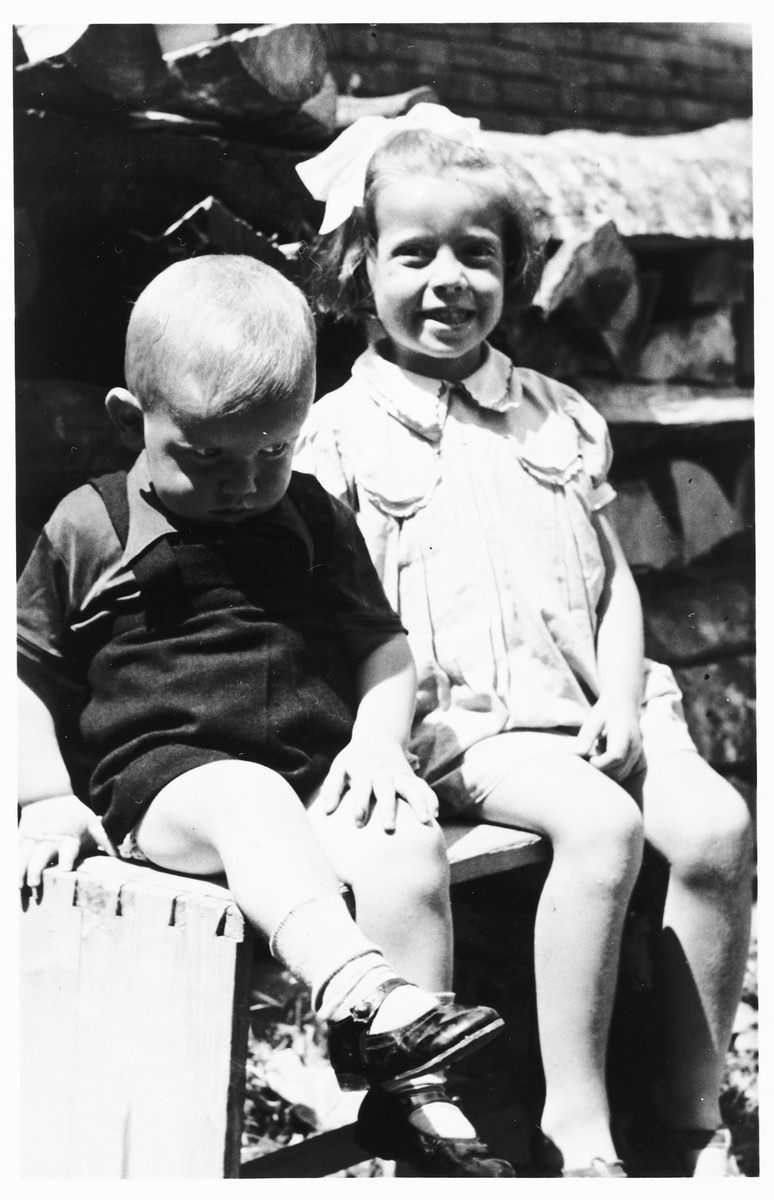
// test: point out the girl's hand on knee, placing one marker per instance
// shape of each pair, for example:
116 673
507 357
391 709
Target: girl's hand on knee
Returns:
377 776
610 737
56 830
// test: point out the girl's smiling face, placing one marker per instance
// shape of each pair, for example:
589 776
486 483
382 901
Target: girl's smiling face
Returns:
437 272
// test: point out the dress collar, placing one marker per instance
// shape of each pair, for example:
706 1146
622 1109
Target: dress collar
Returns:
422 404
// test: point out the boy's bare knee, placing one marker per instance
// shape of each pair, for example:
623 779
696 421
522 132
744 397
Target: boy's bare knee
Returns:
195 813
414 852
234 777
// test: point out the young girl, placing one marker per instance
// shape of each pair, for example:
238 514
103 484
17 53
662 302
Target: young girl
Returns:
480 489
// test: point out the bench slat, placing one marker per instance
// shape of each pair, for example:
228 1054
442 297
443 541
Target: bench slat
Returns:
478 850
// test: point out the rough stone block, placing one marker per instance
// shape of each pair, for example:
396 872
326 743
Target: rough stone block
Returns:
704 611
719 701
698 348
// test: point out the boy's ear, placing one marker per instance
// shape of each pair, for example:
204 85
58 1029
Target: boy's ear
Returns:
126 413
370 266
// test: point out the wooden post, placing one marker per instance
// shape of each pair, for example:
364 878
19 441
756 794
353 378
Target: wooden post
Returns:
135 994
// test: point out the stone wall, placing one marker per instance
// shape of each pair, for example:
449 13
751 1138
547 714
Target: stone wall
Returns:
635 77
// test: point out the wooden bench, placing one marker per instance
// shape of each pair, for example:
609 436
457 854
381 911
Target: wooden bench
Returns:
135 992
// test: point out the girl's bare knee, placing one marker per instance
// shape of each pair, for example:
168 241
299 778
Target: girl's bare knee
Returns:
716 852
606 848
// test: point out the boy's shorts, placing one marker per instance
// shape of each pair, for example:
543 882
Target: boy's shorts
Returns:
129 849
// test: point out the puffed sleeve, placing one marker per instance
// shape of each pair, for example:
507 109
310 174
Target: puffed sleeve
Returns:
320 453
595 445
563 438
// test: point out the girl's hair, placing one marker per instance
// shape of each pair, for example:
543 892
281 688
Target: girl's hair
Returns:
227 319
335 274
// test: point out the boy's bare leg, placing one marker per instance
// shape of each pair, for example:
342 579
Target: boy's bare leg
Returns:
245 820
400 882
596 834
701 826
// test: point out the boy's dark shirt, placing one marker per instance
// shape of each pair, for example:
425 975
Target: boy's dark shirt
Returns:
234 645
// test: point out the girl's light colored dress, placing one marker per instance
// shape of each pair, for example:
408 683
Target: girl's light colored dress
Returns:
476 502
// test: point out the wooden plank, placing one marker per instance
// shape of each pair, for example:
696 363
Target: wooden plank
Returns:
666 404
136 1007
49 957
180 1000
192 989
318 1155
474 850
479 850
97 1116
101 866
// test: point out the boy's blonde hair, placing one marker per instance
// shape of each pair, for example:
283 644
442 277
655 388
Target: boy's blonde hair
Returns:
336 277
234 322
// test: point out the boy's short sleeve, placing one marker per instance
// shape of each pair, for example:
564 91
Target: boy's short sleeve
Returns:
42 608
362 607
67 558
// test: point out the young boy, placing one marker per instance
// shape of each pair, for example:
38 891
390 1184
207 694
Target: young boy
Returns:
248 689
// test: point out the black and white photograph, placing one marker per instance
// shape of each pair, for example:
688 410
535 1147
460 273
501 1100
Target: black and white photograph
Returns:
385 546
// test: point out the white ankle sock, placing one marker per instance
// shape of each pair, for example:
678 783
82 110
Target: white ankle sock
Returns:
318 940
440 1117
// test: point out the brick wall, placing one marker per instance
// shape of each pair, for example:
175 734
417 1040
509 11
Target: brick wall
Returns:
535 78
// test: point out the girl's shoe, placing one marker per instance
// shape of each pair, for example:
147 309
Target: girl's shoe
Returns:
383 1129
445 1033
599 1168
548 1156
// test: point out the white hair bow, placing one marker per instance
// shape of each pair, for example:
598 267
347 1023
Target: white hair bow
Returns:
337 175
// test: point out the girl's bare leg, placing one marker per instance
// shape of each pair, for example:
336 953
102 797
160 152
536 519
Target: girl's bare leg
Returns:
595 830
701 826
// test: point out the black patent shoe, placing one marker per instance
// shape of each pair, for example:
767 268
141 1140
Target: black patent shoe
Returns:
444 1033
383 1129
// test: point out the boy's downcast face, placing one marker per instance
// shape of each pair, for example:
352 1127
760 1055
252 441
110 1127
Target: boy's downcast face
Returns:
220 469
437 272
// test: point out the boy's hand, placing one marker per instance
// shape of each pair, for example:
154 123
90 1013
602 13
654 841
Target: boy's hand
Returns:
377 769
610 737
55 830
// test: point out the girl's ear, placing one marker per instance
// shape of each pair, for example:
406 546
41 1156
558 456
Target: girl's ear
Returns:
126 413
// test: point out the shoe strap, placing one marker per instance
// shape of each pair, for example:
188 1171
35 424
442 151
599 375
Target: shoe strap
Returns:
365 1010
422 1094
